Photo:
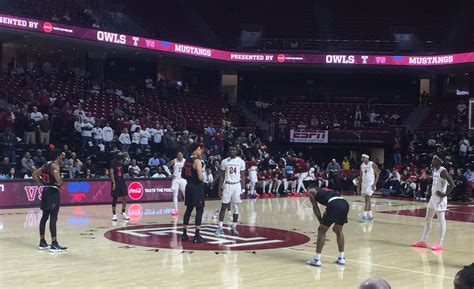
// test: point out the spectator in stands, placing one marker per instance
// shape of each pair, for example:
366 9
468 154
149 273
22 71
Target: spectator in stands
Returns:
464 147
396 152
27 165
36 115
30 131
210 129
462 108
5 166
86 134
55 18
98 134
124 140
89 118
39 159
154 162
44 130
159 173
144 138
136 138
157 133
171 144
146 173
8 142
89 166
135 125
358 117
75 168
107 136
314 121
134 167
79 112
346 164
459 193
333 170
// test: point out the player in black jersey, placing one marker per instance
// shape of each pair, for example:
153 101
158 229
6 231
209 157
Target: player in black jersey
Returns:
336 213
195 192
49 177
117 171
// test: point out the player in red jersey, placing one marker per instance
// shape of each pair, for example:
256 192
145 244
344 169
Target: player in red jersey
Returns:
302 169
269 181
277 179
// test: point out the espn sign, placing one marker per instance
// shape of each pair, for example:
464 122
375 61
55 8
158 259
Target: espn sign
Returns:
309 136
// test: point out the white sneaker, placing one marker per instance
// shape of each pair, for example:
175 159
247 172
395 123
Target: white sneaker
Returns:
314 262
341 261
125 217
114 217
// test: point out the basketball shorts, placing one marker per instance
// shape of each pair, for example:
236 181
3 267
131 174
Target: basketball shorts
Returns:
195 195
438 204
336 213
121 189
366 187
50 198
178 185
231 193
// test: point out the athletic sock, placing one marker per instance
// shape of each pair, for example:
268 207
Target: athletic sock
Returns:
366 214
341 254
234 225
370 214
221 224
317 257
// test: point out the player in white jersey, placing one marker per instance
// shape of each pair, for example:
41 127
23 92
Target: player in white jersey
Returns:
178 183
232 184
441 188
366 185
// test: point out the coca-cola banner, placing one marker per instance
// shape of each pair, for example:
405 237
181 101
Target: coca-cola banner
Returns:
59 29
25 193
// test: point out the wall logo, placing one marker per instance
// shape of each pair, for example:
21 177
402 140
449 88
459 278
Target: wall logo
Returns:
2 188
135 191
281 58
168 237
31 192
78 190
47 27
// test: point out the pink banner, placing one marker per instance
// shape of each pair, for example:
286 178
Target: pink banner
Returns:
27 193
60 29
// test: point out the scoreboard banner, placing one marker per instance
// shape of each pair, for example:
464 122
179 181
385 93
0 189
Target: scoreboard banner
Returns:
101 36
309 136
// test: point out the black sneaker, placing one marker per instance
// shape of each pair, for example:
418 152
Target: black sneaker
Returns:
198 239
184 237
55 247
43 245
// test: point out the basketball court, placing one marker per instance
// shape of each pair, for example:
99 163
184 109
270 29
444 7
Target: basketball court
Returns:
277 238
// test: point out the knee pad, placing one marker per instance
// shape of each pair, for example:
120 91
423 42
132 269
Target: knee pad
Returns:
235 208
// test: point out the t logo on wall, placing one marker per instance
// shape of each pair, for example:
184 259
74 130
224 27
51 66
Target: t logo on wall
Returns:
31 192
